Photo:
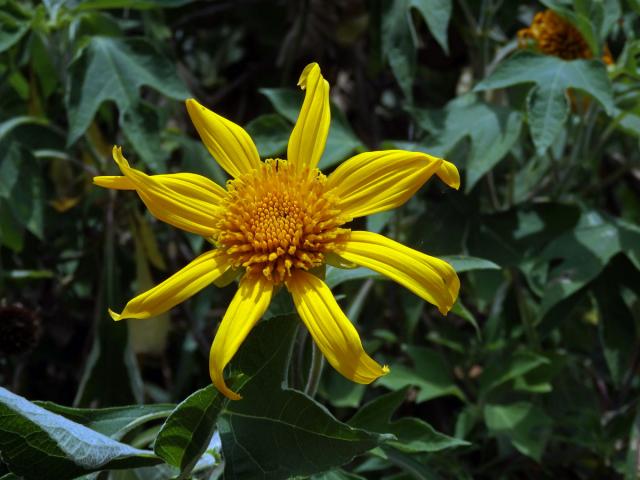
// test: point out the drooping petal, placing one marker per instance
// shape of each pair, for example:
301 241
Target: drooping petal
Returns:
332 331
430 278
308 138
177 288
249 303
226 141
372 182
184 200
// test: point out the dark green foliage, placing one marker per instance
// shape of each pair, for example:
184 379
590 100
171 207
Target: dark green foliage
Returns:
534 372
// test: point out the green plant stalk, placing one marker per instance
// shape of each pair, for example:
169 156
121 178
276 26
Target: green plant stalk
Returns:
315 370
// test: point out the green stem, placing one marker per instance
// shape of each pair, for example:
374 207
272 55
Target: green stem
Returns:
315 371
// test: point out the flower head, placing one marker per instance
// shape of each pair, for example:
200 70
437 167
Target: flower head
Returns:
278 220
553 35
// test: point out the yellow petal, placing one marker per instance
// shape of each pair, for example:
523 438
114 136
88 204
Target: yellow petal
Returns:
372 182
309 135
430 278
184 200
226 141
249 303
188 184
332 331
177 288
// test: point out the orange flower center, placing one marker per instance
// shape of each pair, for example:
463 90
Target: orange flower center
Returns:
277 218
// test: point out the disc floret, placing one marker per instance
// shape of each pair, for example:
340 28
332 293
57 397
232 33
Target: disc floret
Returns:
277 218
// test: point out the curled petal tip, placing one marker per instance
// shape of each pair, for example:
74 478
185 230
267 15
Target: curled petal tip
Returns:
115 316
385 370
302 82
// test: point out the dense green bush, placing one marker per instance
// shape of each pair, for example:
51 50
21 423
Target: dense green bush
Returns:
533 374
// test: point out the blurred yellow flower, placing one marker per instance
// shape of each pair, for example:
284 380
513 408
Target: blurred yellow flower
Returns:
279 219
553 35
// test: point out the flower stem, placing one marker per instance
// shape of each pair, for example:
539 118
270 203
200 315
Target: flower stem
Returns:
315 371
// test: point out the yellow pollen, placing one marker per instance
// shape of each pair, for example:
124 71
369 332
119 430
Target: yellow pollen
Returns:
278 218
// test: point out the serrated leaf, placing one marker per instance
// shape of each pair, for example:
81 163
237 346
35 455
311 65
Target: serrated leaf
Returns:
552 77
187 433
492 131
275 432
36 444
114 69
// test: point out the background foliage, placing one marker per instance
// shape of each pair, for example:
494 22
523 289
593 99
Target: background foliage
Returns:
533 374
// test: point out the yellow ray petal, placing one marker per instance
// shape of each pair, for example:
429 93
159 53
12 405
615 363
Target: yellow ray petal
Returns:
177 288
226 141
430 278
184 200
372 182
332 331
249 303
187 184
307 140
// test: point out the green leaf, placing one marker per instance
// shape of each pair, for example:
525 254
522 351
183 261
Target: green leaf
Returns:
525 425
135 4
335 276
503 370
399 37
22 185
412 434
430 374
547 106
275 432
14 23
187 432
113 422
583 252
616 326
465 263
270 133
492 131
114 69
36 444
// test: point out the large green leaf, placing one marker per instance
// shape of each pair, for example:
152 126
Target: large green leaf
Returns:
412 435
492 131
36 444
547 104
114 69
187 433
526 426
275 432
113 422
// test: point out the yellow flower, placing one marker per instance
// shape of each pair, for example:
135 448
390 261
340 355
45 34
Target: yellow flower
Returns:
553 35
278 220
